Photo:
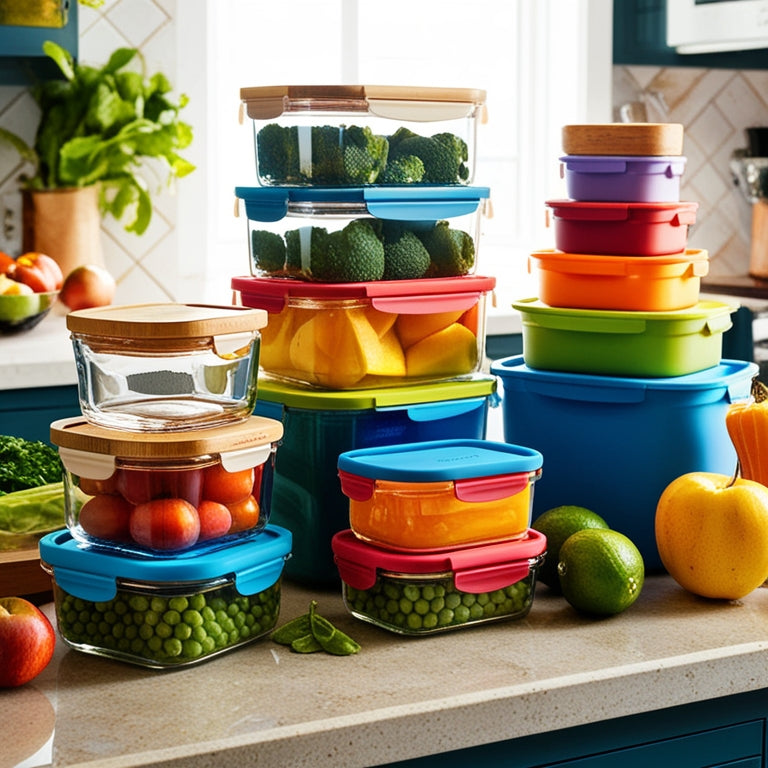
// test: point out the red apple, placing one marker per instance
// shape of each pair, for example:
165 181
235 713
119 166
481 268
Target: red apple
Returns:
27 640
87 286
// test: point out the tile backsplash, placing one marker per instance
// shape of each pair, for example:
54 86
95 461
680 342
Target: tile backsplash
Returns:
715 106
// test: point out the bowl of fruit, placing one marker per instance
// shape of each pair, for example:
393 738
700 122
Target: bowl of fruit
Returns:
29 287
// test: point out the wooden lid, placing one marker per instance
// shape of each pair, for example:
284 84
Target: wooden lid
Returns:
659 139
165 321
77 434
270 101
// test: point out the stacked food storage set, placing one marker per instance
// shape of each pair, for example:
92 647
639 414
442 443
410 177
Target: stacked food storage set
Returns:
168 557
621 384
363 237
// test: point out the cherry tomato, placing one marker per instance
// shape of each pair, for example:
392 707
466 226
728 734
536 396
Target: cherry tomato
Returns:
142 485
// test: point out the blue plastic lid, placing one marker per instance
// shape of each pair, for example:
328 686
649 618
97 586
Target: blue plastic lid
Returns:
417 203
440 460
253 563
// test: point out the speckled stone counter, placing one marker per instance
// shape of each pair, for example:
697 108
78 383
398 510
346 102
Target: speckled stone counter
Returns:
262 705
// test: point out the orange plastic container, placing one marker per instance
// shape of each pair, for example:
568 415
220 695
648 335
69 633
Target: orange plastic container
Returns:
439 494
642 283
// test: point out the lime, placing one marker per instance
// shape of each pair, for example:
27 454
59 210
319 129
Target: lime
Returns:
557 524
601 571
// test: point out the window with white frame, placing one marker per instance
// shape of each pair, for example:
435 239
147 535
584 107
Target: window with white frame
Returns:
543 63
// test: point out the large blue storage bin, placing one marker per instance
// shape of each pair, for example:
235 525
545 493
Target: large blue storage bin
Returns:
613 444
320 425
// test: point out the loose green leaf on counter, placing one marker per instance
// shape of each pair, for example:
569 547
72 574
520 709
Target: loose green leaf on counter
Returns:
312 632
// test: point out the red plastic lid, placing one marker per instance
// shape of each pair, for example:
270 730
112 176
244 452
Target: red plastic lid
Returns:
475 569
436 295
678 214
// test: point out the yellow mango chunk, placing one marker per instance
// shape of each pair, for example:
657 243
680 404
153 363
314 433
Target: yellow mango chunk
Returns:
451 351
387 358
380 321
413 328
275 341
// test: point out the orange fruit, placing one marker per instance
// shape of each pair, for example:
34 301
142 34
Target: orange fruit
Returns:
245 515
106 516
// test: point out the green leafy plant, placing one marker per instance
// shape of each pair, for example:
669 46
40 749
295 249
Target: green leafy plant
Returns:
110 126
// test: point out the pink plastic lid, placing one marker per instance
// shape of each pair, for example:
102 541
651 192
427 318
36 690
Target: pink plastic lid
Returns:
475 569
441 294
676 214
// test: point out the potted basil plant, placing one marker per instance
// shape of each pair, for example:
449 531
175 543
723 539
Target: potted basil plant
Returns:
103 133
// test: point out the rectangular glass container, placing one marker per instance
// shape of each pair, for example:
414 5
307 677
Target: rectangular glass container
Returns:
364 233
166 367
372 334
353 135
166 613
422 594
164 493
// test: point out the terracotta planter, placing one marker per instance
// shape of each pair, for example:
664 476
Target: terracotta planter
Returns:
65 224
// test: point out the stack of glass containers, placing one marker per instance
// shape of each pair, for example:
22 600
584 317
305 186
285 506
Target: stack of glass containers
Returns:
363 236
168 557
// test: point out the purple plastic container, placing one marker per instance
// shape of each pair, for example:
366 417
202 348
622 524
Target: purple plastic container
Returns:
624 179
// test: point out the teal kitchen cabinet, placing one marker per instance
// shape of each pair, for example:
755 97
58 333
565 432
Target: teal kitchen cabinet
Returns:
28 413
22 60
710 734
640 38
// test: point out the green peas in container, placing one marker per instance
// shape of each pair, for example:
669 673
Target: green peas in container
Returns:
166 612
433 591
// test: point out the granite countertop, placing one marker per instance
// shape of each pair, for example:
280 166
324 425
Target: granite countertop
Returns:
400 697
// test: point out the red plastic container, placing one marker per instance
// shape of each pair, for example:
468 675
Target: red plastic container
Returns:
622 229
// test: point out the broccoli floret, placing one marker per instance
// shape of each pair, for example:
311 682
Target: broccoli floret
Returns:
443 155
27 464
365 155
268 251
452 251
304 246
278 153
353 254
407 169
347 155
405 257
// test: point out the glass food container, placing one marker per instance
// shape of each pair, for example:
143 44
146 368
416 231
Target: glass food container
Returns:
439 494
364 233
163 493
166 613
153 367
370 334
351 135
422 594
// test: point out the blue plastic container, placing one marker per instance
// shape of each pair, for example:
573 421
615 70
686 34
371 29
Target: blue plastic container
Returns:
307 498
614 444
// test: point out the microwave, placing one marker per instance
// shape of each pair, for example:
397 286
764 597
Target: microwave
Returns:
710 26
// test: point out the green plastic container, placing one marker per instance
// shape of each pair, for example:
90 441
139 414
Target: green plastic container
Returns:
624 343
307 498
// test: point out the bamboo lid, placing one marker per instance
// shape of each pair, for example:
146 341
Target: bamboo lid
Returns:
654 139
77 434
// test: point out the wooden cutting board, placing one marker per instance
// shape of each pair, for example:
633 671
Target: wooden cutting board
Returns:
21 573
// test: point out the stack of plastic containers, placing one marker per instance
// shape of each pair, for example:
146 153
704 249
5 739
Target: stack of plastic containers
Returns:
363 237
168 557
439 534
621 385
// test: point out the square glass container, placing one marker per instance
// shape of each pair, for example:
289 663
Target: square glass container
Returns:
166 367
624 343
423 594
319 425
439 494
637 283
353 135
164 493
374 334
166 613
622 228
364 233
